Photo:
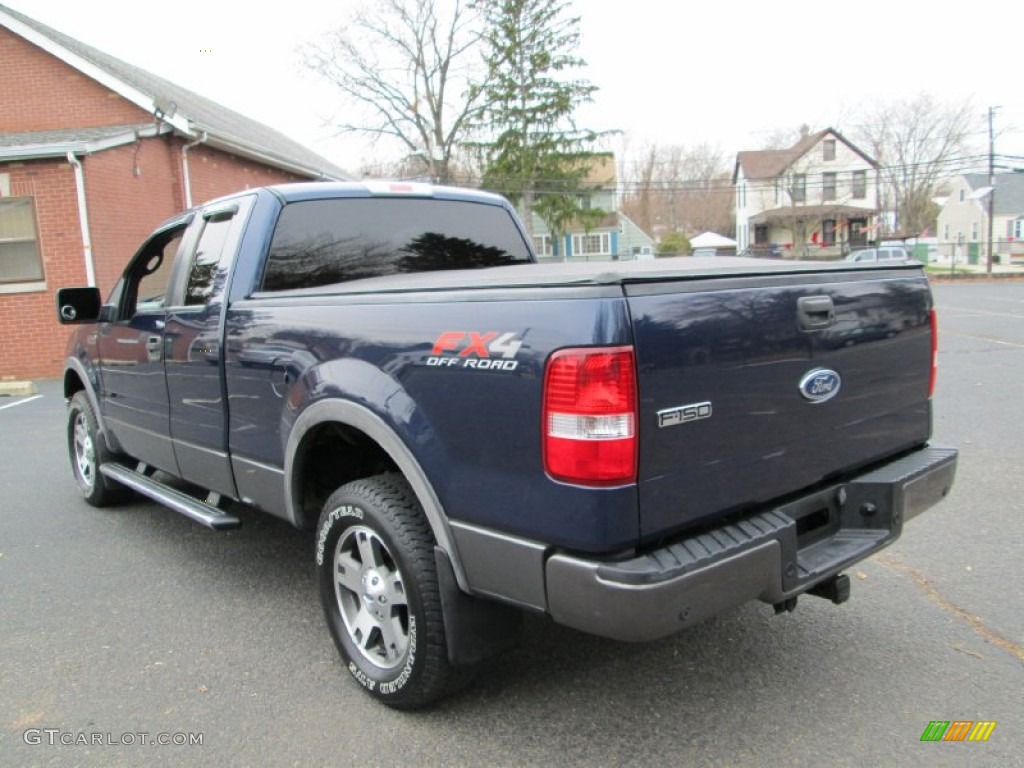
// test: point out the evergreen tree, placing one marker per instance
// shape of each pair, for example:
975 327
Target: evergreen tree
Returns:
534 153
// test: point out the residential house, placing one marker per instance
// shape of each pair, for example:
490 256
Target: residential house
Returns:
94 153
613 236
963 218
816 199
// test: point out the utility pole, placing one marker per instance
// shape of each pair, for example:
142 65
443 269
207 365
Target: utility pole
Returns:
991 183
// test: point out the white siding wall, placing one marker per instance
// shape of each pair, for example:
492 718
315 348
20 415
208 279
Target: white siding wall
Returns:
959 217
846 162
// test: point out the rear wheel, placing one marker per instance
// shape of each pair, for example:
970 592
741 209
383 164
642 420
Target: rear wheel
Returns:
88 451
378 584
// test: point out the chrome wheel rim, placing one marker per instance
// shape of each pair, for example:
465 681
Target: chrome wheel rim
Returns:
371 597
85 453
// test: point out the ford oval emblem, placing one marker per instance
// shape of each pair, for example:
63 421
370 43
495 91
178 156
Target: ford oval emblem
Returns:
820 385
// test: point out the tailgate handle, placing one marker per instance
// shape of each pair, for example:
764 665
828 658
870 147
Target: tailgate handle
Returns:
815 312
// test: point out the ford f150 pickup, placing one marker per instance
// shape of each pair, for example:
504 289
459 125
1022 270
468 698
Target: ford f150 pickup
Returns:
627 448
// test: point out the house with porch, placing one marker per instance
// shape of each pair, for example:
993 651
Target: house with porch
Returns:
94 153
816 199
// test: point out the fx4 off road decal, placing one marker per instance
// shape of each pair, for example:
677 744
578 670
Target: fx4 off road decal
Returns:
484 351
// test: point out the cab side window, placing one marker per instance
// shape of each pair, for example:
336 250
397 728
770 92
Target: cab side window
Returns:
149 275
210 247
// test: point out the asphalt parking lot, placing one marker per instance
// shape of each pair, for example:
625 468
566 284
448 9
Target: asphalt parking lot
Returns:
133 620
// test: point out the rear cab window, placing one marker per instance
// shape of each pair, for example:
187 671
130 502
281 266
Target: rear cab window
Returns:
325 242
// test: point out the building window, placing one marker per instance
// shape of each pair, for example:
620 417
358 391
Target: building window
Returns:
19 248
974 231
828 186
828 147
592 245
945 232
828 232
860 185
961 195
542 245
799 187
1017 229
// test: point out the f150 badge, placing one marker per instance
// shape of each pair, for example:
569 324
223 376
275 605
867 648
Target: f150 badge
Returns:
484 351
820 385
682 414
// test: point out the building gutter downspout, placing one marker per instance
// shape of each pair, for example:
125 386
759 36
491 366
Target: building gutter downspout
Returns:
184 168
83 218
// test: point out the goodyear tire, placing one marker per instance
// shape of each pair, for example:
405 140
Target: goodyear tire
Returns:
88 451
378 584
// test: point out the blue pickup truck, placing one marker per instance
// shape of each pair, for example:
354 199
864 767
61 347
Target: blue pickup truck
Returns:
627 448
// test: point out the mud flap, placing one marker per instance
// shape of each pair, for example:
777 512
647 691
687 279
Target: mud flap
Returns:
476 629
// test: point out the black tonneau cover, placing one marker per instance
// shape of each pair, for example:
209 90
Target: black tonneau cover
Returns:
592 273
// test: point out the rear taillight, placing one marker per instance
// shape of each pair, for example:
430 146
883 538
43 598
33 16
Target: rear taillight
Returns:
590 417
935 352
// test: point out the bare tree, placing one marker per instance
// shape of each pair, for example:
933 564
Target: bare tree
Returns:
409 71
784 138
917 141
682 189
639 203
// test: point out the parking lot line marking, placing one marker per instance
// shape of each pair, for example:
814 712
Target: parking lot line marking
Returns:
21 402
986 338
977 312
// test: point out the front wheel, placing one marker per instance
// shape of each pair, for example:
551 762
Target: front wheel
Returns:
87 451
378 584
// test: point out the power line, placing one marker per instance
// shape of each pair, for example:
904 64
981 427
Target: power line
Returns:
938 171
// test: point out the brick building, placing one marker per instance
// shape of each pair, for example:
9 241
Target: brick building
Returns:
93 154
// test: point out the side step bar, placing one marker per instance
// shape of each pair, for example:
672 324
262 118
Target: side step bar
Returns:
200 511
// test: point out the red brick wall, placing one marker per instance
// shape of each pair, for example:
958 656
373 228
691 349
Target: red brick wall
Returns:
125 205
31 340
40 92
213 173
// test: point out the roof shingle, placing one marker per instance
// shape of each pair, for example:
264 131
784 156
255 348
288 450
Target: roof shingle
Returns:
1009 199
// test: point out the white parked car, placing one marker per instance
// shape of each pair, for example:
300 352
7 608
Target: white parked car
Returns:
884 253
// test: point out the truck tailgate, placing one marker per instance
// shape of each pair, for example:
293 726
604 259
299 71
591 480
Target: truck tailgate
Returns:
754 388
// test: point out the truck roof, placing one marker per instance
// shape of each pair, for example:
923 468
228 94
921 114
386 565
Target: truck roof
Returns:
319 190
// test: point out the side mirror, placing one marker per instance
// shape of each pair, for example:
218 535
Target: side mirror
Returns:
78 305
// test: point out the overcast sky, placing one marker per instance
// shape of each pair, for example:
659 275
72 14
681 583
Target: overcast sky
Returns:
723 73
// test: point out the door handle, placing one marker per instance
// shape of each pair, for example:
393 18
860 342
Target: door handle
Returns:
155 348
815 312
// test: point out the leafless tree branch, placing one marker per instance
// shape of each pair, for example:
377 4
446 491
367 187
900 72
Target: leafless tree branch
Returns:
405 72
